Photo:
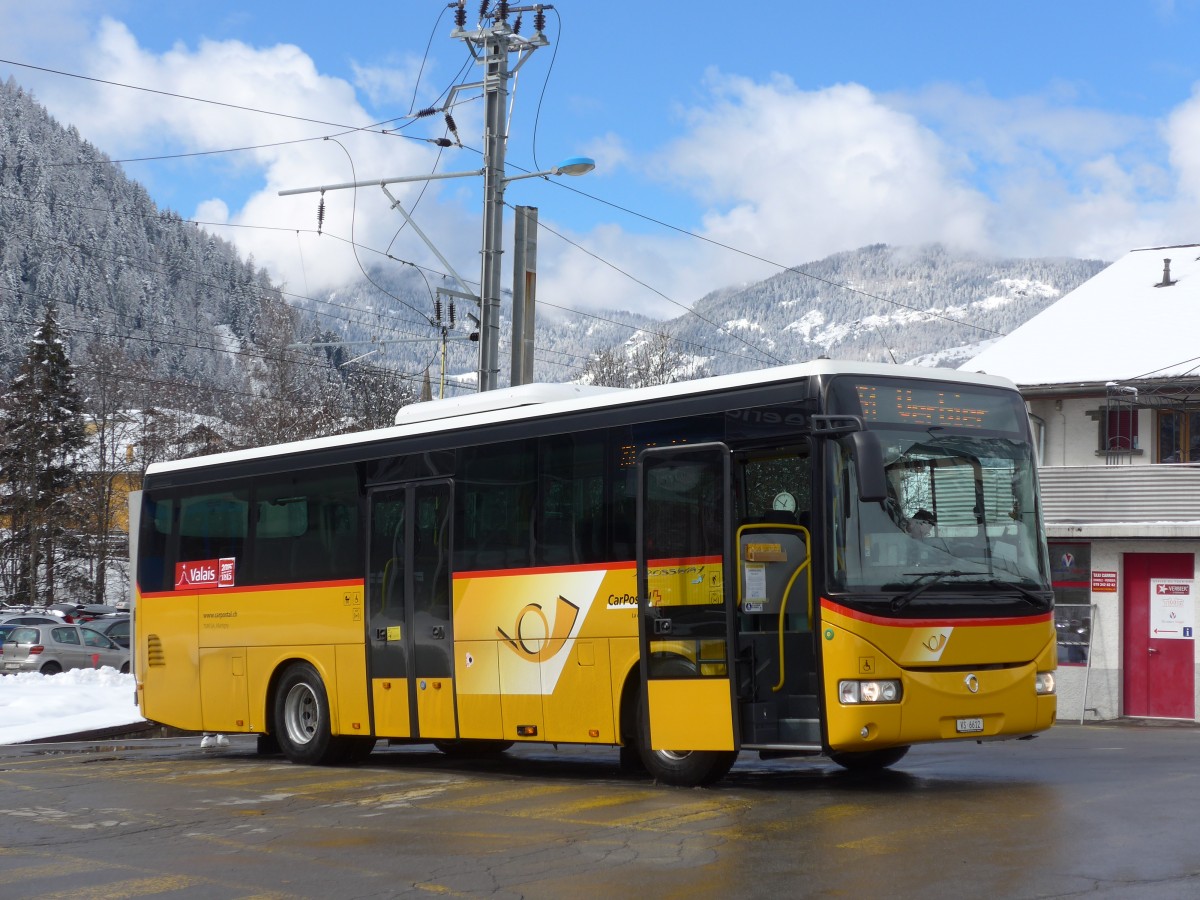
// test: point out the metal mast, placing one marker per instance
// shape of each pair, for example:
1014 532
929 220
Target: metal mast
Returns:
491 46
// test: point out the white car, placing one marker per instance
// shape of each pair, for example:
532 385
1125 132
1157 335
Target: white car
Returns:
51 649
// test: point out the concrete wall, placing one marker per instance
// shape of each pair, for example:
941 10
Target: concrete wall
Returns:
1104 683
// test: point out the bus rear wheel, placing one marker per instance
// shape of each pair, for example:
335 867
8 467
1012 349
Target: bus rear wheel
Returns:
868 760
302 720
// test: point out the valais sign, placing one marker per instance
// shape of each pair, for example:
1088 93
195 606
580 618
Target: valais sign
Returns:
1172 609
206 573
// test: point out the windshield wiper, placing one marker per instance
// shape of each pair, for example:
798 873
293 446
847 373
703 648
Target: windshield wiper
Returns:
1031 597
902 600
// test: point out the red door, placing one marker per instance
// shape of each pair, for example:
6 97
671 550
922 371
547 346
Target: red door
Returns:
1159 673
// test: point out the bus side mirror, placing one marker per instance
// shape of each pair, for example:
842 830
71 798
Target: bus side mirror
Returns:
868 459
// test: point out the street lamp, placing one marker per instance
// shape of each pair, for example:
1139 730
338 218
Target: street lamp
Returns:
575 165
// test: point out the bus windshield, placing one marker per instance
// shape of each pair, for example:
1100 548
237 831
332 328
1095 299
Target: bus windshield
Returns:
960 513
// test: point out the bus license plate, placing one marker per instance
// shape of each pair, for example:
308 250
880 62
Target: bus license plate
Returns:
970 726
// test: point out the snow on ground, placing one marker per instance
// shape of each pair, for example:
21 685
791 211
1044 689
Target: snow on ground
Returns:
36 706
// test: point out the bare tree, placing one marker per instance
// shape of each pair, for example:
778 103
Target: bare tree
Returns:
607 368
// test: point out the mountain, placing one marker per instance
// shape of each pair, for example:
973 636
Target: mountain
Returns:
152 305
927 305
76 231
879 303
191 324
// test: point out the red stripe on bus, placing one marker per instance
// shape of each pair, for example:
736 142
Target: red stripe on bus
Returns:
256 588
932 623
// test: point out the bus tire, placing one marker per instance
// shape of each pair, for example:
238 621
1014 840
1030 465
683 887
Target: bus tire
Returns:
472 749
682 768
868 760
302 721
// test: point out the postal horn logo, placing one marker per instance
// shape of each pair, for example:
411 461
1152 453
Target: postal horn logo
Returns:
532 639
935 643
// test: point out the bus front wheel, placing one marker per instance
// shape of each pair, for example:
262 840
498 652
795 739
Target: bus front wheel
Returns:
302 721
682 768
868 760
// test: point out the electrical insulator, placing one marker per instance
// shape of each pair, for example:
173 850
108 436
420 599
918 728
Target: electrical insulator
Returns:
483 10
460 14
443 142
427 111
517 25
539 20
502 10
321 213
437 309
451 313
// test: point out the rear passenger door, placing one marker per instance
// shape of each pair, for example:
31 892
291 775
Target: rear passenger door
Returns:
408 608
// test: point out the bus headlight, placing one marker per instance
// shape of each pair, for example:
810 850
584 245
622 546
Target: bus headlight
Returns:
869 691
1044 684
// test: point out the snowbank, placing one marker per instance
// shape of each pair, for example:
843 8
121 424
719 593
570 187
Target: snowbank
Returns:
35 706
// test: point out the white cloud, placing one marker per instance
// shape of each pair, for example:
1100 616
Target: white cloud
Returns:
778 171
387 84
1182 133
215 211
281 79
794 175
609 152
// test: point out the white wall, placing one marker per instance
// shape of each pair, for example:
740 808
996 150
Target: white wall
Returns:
1105 680
1072 436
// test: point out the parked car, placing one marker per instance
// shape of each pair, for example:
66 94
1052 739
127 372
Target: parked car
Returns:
31 619
115 627
51 649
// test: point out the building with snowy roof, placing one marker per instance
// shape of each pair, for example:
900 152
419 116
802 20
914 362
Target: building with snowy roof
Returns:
1111 376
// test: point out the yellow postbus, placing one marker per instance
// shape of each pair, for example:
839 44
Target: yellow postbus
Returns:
829 558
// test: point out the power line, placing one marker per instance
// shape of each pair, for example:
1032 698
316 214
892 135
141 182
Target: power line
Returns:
221 103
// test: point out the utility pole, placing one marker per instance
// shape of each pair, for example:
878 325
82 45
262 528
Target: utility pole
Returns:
524 293
491 45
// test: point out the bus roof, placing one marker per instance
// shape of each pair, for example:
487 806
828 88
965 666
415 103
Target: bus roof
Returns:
508 398
535 401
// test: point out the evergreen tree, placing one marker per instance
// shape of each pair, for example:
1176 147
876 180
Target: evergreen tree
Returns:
41 418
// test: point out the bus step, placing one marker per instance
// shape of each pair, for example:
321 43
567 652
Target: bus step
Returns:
801 706
800 731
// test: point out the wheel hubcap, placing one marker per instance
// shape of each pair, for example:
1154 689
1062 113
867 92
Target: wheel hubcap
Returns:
300 712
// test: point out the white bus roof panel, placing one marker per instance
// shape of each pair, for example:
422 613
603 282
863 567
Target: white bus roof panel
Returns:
489 401
602 398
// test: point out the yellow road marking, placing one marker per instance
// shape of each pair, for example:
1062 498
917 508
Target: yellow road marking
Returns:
134 887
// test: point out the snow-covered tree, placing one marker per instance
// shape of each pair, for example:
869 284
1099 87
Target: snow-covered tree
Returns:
41 419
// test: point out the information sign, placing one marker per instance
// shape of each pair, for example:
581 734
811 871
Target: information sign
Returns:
1172 609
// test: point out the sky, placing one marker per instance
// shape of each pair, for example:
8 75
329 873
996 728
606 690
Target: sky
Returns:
730 141
33 706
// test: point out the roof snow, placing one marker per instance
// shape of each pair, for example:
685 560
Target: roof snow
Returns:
1121 325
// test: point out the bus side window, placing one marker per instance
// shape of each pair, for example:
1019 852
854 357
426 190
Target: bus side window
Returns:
158 515
495 496
570 499
213 526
